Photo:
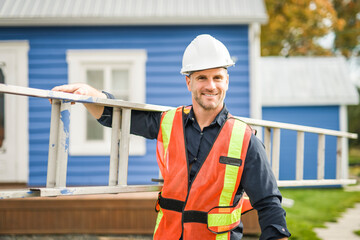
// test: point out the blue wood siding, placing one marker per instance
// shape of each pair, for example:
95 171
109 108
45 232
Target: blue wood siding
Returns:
323 117
164 84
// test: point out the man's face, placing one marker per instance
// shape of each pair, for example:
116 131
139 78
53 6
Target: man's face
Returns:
208 88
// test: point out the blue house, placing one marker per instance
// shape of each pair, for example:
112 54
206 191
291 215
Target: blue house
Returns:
310 91
131 48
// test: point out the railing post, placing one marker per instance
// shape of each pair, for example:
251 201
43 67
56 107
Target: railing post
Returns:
321 157
114 152
53 143
124 146
267 142
299 155
63 146
275 159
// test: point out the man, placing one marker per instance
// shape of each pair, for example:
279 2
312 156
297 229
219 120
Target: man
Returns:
206 157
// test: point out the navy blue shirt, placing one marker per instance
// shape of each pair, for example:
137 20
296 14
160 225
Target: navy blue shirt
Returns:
257 180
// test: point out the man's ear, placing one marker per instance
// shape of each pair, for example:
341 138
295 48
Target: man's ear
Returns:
188 80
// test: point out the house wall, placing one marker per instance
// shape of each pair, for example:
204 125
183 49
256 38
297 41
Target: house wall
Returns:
164 84
314 116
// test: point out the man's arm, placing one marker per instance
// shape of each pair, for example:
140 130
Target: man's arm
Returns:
84 89
259 183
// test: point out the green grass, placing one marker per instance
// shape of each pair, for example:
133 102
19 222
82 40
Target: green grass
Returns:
354 156
354 162
314 207
357 232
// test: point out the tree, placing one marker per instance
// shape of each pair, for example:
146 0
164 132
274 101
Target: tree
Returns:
347 39
354 125
295 26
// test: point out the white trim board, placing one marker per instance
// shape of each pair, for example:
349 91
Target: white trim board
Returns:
14 55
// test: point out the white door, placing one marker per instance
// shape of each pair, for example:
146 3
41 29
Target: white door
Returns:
14 143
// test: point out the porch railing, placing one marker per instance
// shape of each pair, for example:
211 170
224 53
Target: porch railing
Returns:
119 155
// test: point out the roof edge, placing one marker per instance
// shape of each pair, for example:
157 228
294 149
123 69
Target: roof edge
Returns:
99 21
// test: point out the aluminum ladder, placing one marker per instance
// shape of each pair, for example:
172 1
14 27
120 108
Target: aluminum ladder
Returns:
119 155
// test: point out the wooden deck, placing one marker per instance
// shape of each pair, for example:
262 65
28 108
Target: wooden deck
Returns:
130 213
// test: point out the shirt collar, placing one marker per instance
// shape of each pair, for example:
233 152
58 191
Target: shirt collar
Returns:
219 119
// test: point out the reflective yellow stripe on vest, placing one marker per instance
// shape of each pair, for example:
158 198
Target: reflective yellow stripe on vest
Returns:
166 127
231 174
158 219
231 171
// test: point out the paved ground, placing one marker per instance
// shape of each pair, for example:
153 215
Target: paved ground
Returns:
344 228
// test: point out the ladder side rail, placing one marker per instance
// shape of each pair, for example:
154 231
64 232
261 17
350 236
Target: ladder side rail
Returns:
86 190
295 127
150 107
315 182
114 152
124 146
300 155
53 143
34 92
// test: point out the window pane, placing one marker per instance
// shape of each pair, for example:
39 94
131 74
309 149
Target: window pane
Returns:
2 111
95 78
94 131
120 83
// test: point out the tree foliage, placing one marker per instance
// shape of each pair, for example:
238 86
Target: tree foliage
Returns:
354 123
347 39
295 26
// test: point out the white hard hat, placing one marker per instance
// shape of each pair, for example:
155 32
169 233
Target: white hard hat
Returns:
205 52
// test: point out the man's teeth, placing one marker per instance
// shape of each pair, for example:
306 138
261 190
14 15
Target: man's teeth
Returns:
209 95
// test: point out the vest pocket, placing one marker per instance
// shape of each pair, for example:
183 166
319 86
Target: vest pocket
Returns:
223 219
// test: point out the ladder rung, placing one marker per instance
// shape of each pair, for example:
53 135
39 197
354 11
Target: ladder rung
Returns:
114 152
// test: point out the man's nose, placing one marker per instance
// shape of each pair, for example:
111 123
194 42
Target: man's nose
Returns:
211 84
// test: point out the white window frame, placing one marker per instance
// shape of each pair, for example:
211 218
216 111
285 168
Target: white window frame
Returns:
81 60
14 155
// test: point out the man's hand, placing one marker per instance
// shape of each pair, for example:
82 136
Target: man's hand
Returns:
87 90
79 88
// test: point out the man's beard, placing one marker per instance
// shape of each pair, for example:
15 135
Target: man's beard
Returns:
210 106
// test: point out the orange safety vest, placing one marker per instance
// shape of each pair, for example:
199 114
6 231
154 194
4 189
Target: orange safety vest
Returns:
205 210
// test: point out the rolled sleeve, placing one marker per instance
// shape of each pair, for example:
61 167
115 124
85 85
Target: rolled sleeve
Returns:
259 183
106 117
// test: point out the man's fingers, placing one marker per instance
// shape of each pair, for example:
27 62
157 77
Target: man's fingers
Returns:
66 88
81 91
